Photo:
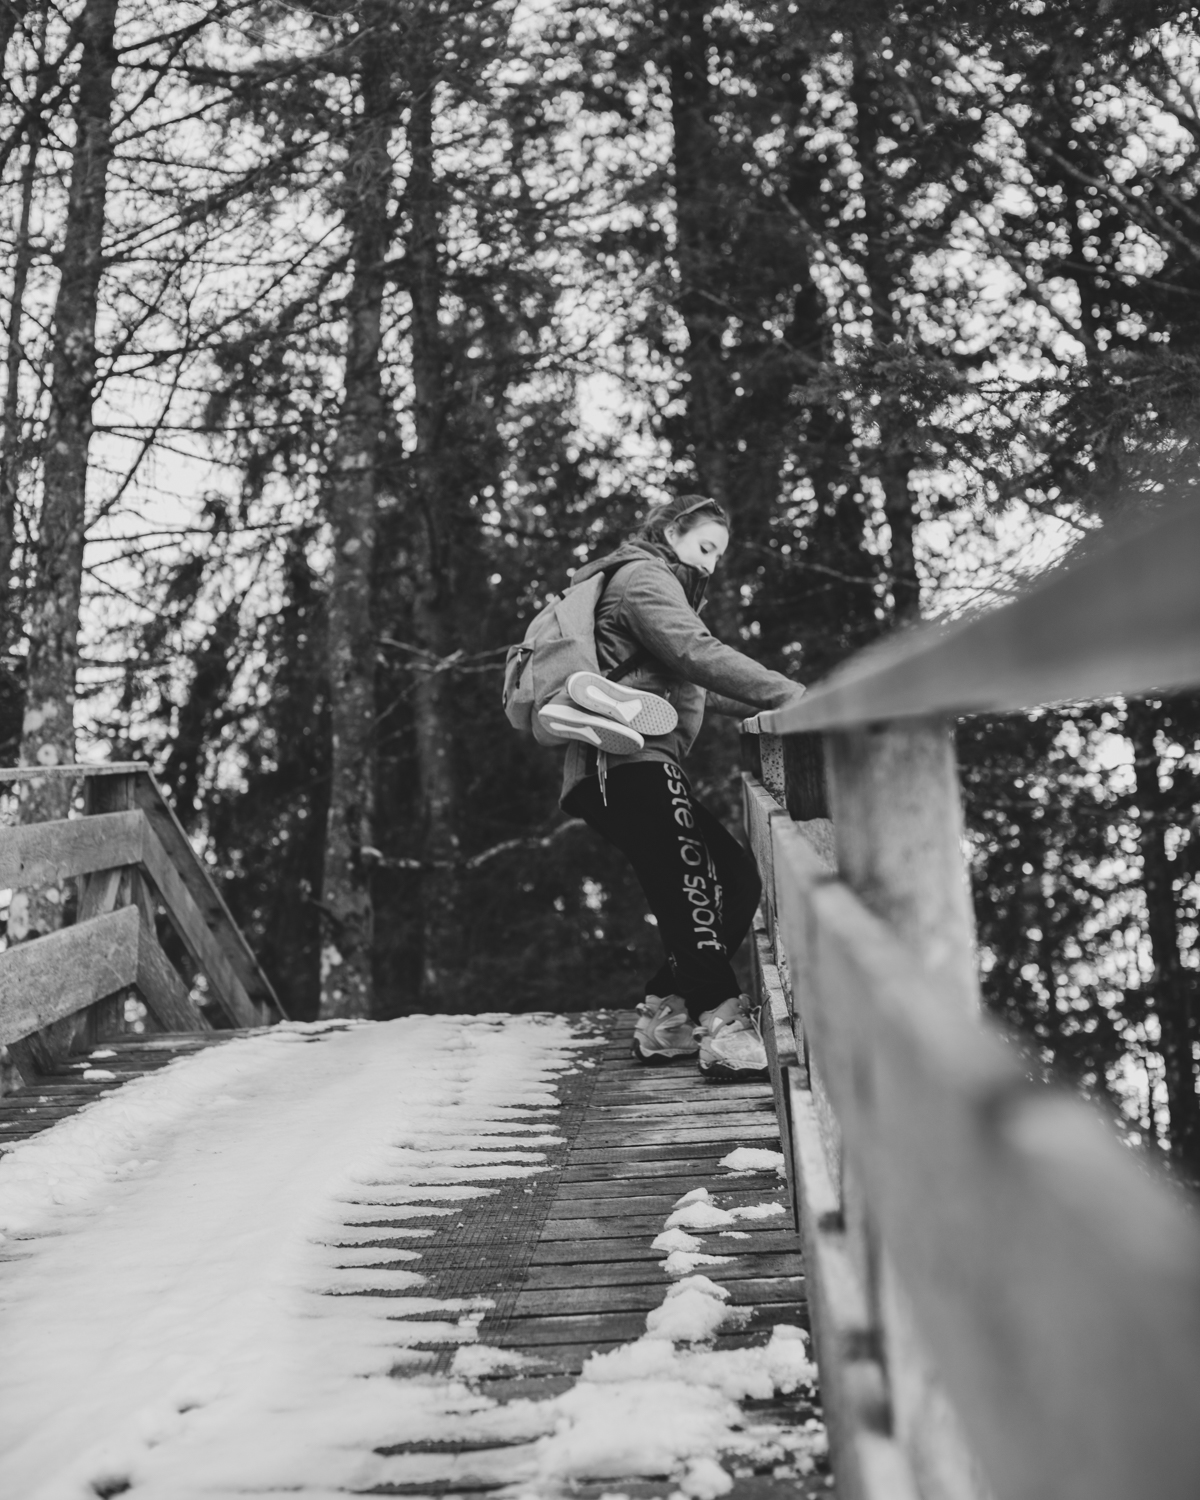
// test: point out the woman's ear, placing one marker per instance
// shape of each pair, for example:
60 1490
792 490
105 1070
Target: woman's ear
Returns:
671 533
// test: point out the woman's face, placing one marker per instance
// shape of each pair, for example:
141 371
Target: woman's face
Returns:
702 547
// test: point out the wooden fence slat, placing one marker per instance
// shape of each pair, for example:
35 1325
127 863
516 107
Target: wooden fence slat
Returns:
1125 619
808 867
207 897
204 948
779 1038
924 1418
54 976
160 986
760 809
36 854
1057 1285
100 894
868 1463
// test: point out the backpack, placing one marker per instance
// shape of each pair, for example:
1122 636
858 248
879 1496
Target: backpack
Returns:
560 640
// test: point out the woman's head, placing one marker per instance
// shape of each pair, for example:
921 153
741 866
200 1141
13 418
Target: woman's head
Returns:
695 528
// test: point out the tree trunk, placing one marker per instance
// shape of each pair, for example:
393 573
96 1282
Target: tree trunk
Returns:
48 734
895 463
10 436
902 555
1172 985
347 987
698 216
441 934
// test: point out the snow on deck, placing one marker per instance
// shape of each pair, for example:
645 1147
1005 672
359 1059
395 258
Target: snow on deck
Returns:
233 1277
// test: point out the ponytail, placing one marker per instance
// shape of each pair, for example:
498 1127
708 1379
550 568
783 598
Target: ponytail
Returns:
684 511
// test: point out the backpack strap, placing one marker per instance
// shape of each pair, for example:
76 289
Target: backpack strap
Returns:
631 663
641 656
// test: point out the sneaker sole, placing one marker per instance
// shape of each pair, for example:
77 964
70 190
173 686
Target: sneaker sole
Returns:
659 1059
719 1072
603 734
651 714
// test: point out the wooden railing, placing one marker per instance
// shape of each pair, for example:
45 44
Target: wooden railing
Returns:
132 860
1006 1300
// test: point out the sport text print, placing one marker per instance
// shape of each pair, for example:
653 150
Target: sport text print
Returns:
700 884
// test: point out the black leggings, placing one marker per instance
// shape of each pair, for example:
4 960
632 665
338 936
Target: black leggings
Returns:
702 886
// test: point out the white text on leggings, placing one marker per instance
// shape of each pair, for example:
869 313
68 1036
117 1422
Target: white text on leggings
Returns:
693 854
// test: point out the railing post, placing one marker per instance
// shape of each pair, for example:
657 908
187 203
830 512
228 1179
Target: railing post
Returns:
898 830
104 892
772 770
805 794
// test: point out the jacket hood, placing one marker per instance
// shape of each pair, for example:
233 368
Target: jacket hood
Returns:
693 580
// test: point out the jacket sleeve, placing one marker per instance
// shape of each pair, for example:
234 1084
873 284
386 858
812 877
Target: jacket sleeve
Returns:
732 708
655 611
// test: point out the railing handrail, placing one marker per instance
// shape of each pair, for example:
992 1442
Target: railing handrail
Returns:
130 854
1124 619
75 769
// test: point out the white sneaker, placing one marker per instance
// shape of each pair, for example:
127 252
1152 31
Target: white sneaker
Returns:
664 1030
731 1044
572 724
645 712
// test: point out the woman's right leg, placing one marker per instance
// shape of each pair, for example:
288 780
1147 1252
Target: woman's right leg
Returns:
651 817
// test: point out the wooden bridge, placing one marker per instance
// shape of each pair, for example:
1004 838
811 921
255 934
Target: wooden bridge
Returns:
1004 1301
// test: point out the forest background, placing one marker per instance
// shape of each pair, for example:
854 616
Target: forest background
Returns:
338 334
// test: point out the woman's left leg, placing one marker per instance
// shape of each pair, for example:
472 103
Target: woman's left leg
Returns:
737 876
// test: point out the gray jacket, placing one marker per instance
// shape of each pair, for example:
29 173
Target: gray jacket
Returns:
651 602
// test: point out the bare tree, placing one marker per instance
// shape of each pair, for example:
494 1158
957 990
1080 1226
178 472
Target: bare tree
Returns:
48 736
1173 985
347 987
432 587
10 415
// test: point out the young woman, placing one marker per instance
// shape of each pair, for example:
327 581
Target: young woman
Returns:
702 886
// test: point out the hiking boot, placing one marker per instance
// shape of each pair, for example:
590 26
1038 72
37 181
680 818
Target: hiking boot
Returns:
572 724
731 1044
645 712
664 1031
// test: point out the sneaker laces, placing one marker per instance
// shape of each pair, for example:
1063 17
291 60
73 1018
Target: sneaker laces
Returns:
653 1005
746 1019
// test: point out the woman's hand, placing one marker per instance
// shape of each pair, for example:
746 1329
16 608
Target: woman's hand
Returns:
753 726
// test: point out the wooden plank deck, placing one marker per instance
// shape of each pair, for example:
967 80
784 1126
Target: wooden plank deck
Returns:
565 1257
81 1079
568 1259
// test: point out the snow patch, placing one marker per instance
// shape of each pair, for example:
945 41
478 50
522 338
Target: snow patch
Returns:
752 1159
675 1239
697 1195
692 1310
702 1213
474 1361
213 1286
705 1479
682 1262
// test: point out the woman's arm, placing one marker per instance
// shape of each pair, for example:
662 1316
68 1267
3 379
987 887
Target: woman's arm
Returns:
655 611
732 708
